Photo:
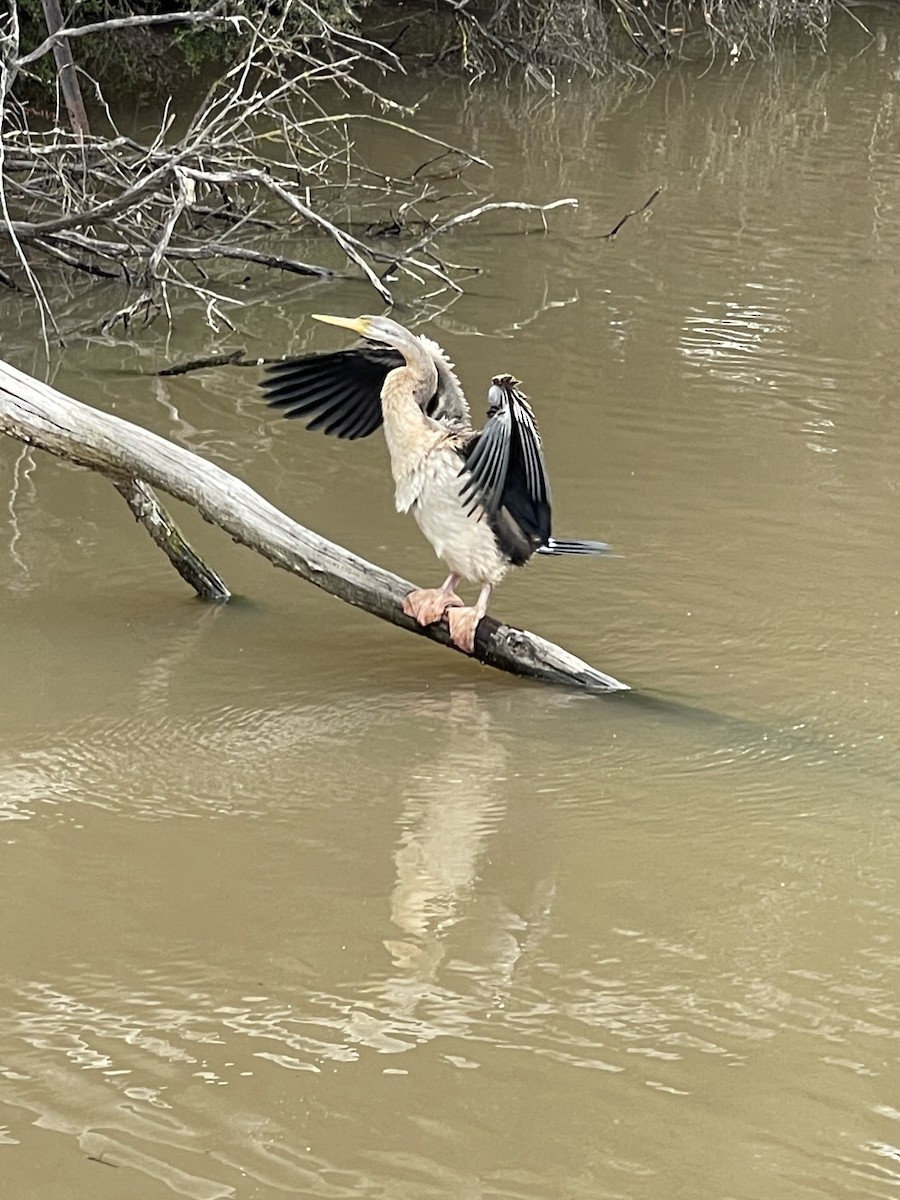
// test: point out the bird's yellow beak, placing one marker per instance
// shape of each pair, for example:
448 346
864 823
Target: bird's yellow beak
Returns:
359 325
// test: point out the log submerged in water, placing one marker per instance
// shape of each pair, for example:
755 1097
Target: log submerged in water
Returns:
133 457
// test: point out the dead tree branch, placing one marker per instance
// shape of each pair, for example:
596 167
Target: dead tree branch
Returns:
635 212
262 151
63 34
473 214
233 358
190 566
132 457
65 69
545 40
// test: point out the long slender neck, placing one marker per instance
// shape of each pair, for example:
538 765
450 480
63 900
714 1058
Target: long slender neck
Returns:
409 433
415 382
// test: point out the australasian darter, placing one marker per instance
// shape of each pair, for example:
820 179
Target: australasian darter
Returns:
481 498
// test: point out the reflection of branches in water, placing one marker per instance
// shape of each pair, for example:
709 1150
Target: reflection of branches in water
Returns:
543 39
772 122
424 313
154 679
734 126
539 126
881 157
22 472
765 114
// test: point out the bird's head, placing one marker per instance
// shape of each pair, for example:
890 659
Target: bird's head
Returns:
376 329
419 380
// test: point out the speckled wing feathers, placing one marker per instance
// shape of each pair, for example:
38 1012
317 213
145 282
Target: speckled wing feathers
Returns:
504 472
487 465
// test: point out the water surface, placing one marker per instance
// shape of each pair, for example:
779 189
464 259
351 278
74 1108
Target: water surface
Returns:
297 905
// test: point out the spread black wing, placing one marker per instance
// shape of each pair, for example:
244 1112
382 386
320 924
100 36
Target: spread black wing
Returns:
504 472
340 392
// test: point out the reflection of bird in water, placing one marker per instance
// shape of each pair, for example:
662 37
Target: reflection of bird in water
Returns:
469 898
455 800
481 498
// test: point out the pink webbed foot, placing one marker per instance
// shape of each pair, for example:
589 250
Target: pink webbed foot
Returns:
427 605
463 622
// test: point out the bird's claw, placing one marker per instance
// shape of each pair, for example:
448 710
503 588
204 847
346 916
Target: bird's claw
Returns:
428 605
463 622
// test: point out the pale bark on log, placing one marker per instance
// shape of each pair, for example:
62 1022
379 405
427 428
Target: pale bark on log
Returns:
35 413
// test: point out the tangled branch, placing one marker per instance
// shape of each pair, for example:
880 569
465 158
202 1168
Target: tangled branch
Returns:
546 38
260 166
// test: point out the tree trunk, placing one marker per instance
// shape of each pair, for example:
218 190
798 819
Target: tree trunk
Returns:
65 68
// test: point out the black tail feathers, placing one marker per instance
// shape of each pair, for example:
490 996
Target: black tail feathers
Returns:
573 546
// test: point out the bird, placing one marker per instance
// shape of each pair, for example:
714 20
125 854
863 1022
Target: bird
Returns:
481 498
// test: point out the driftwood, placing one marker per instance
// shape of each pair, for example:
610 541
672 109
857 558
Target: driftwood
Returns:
133 457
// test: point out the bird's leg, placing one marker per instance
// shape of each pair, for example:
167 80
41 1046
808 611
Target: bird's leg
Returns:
464 621
428 605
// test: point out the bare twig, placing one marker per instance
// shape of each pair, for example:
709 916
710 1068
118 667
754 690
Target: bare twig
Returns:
79 264
347 243
74 31
100 212
475 214
232 359
46 315
634 213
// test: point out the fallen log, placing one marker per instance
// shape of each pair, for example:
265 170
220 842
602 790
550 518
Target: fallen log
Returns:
133 458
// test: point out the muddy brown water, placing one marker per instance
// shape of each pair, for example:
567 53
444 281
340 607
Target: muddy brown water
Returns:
294 904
